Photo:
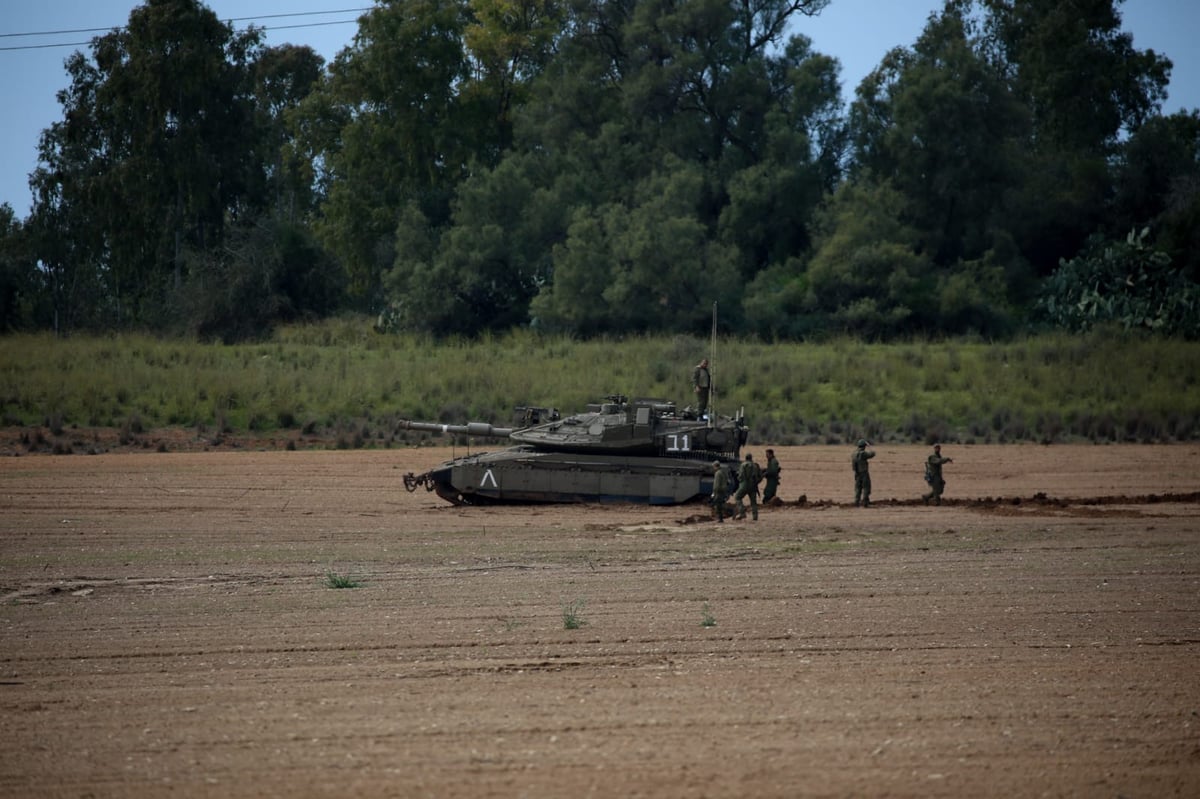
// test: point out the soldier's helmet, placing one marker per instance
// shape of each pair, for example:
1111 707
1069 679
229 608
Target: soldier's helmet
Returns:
862 442
717 464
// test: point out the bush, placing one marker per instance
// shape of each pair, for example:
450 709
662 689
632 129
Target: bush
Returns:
1127 283
271 273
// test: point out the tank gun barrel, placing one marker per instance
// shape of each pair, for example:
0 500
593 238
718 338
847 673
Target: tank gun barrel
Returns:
482 429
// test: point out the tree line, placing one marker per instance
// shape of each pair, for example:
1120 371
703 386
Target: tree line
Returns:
608 166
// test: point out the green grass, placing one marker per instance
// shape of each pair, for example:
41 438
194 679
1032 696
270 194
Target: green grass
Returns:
335 580
572 614
343 381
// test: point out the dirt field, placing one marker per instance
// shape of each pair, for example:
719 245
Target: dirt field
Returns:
167 629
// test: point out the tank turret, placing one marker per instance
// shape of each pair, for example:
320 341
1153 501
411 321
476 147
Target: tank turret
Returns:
617 450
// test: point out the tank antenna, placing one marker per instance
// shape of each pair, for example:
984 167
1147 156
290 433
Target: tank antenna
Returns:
712 359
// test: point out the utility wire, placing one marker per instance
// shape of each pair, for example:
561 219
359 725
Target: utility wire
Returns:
230 20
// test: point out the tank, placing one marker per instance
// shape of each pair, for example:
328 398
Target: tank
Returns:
641 451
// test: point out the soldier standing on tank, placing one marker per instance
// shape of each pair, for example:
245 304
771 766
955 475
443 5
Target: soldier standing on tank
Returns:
720 491
748 477
862 473
701 383
933 475
771 475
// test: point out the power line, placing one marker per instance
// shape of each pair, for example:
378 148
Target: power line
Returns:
264 28
231 20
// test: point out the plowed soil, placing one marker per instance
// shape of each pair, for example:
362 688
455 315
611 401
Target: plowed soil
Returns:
169 628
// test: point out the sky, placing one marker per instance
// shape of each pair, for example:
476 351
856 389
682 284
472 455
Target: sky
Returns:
857 32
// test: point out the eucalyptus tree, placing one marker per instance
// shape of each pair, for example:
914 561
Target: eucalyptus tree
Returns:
937 125
1086 87
383 130
1000 126
644 264
746 114
869 274
66 223
154 155
1158 187
645 148
420 99
508 43
465 278
768 215
282 78
1076 70
22 295
1148 278
940 124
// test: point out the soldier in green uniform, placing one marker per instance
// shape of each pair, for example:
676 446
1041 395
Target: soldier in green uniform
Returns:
771 475
720 491
862 473
748 477
933 475
701 383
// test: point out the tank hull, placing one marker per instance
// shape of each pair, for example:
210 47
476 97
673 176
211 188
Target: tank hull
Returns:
524 475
